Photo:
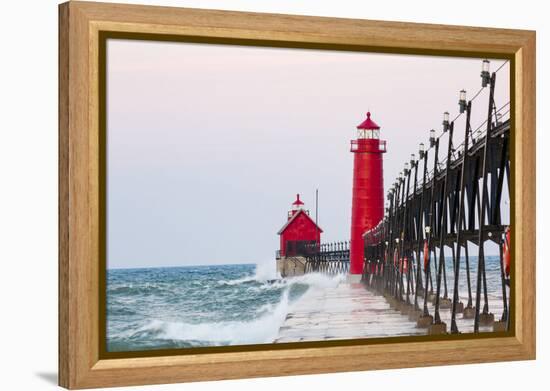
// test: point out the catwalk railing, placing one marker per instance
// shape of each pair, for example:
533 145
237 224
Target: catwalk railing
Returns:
456 206
328 258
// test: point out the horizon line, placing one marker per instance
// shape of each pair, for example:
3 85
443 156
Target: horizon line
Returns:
174 266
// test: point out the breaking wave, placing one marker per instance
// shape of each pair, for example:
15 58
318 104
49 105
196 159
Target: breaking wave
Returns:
261 330
222 305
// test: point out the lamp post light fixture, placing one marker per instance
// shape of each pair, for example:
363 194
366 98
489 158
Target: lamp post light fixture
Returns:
498 119
432 137
421 150
485 76
406 169
413 160
462 101
445 121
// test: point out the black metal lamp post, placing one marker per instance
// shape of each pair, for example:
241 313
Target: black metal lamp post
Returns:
462 101
485 75
445 121
432 137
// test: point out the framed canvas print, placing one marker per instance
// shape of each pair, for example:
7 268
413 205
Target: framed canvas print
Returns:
247 195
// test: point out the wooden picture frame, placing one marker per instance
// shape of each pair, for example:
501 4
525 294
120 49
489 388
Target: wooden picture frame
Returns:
81 24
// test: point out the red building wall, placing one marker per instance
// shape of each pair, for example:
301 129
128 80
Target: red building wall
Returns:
302 228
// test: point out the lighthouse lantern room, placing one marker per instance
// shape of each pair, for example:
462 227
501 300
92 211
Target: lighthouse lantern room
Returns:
299 232
368 188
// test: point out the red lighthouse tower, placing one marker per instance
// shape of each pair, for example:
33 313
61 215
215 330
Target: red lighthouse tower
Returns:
368 188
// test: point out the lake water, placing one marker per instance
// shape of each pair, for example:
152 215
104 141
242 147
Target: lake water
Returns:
178 307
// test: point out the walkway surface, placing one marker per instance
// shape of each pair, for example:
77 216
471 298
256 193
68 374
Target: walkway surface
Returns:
350 311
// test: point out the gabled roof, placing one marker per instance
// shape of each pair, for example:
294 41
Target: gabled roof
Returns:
284 227
368 124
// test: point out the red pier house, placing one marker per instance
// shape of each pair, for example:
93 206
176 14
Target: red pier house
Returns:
368 188
299 231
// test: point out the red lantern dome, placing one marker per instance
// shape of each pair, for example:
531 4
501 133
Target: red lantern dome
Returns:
298 201
368 124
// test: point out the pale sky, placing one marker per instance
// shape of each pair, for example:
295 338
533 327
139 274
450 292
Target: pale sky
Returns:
209 144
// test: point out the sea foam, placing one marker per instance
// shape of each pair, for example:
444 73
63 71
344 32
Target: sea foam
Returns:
184 307
264 329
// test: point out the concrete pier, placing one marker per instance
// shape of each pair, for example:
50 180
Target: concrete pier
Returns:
343 312
350 311
291 266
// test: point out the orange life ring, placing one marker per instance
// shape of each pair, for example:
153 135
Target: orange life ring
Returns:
506 249
426 254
